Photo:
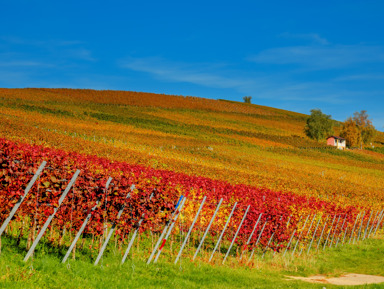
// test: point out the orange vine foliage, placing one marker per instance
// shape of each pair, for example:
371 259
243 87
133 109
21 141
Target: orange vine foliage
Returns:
235 142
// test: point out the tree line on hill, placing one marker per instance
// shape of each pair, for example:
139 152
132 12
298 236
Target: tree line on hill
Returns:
357 130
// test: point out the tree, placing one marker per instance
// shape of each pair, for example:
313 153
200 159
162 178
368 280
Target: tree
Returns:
351 133
367 130
319 125
358 130
247 99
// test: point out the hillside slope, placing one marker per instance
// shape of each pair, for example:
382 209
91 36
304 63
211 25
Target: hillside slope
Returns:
236 142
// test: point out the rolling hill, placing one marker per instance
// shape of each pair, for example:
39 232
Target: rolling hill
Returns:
235 142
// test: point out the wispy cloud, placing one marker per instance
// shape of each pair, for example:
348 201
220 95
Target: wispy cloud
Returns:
321 57
24 63
359 77
79 53
305 92
39 43
313 37
54 49
200 74
276 87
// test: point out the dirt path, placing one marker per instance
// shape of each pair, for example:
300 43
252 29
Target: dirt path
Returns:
348 279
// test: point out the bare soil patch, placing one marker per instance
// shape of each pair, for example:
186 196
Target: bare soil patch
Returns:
348 279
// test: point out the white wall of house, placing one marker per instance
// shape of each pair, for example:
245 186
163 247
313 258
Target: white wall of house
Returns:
340 143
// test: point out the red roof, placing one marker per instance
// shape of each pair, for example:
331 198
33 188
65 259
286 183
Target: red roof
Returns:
336 137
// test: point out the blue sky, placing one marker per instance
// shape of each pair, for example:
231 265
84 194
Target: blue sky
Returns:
295 55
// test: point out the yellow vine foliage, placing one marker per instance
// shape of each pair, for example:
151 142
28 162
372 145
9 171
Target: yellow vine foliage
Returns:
236 142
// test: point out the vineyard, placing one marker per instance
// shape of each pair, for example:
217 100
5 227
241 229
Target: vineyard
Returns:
252 218
189 177
235 142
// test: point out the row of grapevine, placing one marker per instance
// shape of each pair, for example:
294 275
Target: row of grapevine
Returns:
248 217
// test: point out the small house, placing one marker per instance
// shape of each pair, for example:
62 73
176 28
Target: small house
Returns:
336 141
